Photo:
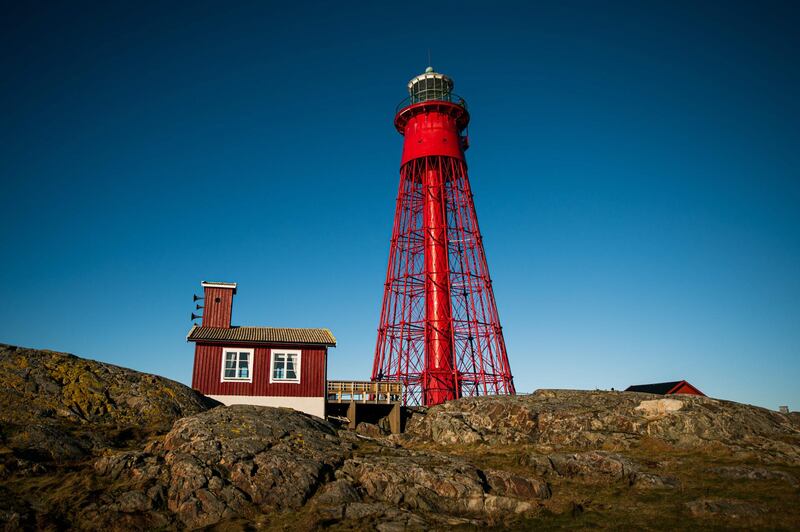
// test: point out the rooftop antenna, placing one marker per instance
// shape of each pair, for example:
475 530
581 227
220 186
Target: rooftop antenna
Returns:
430 65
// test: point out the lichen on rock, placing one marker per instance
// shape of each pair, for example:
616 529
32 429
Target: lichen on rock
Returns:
62 407
591 420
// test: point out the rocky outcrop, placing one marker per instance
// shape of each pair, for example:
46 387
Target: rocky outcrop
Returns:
441 484
753 473
598 467
553 419
56 406
729 508
232 462
87 445
241 462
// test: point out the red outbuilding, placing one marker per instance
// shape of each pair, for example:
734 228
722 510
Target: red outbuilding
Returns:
268 366
666 388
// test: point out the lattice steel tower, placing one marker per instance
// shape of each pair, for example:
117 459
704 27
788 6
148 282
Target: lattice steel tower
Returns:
439 330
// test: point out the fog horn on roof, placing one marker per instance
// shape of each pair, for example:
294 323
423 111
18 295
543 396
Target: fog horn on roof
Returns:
196 297
195 316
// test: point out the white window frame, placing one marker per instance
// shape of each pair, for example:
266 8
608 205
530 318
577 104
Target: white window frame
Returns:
272 354
225 351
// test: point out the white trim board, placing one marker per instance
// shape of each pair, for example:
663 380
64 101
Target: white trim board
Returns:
206 284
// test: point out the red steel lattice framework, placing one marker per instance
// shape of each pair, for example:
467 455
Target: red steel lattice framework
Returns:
439 330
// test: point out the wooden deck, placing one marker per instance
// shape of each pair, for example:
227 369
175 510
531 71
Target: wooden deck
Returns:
386 392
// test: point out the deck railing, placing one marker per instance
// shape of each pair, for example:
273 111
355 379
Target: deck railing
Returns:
365 391
439 97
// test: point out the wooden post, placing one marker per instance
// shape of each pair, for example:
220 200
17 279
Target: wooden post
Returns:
351 415
394 419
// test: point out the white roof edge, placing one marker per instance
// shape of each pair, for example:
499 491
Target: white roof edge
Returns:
209 284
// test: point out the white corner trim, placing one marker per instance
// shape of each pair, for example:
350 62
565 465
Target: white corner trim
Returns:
272 365
222 377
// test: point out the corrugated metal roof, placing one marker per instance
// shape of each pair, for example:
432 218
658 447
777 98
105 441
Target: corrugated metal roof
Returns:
276 335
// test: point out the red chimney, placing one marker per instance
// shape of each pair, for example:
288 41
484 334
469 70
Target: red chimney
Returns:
218 304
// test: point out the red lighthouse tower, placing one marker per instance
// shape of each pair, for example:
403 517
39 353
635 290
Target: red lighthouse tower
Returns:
439 330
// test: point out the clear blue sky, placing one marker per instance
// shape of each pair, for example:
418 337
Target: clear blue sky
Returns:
636 169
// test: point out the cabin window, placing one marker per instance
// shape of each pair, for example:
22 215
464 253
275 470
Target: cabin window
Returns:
237 365
285 366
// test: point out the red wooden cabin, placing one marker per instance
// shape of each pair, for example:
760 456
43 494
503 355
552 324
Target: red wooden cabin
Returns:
268 366
666 388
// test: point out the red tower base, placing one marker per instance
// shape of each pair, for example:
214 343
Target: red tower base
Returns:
468 342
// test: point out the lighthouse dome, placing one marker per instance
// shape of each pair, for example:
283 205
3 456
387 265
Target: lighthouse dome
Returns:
430 86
